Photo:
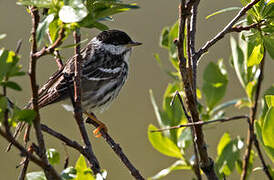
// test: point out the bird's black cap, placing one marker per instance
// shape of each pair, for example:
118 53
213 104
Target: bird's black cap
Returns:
115 37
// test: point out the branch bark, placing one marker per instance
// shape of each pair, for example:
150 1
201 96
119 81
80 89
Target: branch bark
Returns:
251 136
118 150
76 101
51 174
207 164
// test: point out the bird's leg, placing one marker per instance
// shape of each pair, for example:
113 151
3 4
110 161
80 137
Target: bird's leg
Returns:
101 126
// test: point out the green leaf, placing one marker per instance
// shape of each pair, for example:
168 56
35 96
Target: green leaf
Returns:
256 55
164 41
223 11
53 156
156 109
268 128
173 34
178 165
69 173
223 142
36 176
229 154
43 27
184 139
214 83
36 3
12 85
238 60
163 144
114 8
83 172
74 11
25 115
250 89
3 107
269 100
2 36
269 45
9 64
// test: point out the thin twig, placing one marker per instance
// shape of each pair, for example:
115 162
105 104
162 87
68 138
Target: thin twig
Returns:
251 133
201 123
24 152
50 174
57 55
118 150
51 48
226 29
25 163
76 102
247 28
196 166
265 168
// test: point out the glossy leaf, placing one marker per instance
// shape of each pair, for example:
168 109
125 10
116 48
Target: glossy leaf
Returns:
250 89
25 115
269 45
223 142
214 83
229 154
12 85
36 3
3 107
238 60
53 156
178 165
256 55
223 11
269 100
163 144
73 11
268 128
164 41
83 172
42 28
269 91
36 176
69 173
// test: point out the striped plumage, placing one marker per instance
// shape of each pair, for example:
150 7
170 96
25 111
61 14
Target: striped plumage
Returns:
104 72
105 63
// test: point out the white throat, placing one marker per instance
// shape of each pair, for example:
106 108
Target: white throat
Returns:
109 47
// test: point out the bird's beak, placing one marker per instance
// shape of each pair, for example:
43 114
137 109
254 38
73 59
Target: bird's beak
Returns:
133 43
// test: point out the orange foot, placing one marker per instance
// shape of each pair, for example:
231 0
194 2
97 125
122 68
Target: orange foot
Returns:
101 126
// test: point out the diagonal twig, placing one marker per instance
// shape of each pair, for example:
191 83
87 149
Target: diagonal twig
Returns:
226 29
118 150
202 123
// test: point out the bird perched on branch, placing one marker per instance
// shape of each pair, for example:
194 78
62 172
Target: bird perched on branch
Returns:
105 65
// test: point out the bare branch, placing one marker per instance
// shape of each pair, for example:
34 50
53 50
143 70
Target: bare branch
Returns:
118 150
201 123
32 73
226 29
76 102
50 49
207 164
247 28
251 136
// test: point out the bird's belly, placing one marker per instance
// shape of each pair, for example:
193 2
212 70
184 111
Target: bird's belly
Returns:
100 99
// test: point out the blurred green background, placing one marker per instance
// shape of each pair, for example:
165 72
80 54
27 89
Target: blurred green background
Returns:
130 115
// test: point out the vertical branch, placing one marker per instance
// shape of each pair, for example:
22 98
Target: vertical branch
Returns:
49 172
251 134
207 164
77 104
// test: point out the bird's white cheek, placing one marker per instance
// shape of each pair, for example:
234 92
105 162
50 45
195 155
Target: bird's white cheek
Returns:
127 55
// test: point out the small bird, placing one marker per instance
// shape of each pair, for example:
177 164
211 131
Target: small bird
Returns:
105 67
